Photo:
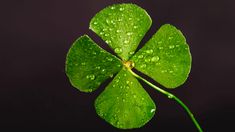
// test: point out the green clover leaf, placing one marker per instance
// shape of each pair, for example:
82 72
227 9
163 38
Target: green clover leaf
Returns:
165 58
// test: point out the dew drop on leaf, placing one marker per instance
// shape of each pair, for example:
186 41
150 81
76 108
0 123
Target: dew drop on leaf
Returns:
152 110
155 58
98 67
83 63
129 33
118 50
118 31
149 51
91 77
135 27
121 8
171 47
143 66
112 7
131 53
140 56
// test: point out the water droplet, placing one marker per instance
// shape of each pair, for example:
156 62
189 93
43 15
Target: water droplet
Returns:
121 8
170 37
117 97
124 75
160 48
83 63
131 53
103 70
110 29
106 34
163 71
98 67
155 58
112 7
126 41
108 41
135 27
140 56
101 33
123 100
142 98
170 71
147 60
149 51
109 59
143 66
91 77
118 50
134 96
170 96
129 18
127 82
127 87
171 46
129 33
118 31
152 110
95 23
119 19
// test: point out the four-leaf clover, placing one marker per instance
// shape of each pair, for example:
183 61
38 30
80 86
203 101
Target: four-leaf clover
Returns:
165 58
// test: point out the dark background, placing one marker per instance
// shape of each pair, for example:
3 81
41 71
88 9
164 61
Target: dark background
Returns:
35 93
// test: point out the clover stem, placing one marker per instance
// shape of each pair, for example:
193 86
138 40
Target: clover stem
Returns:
170 96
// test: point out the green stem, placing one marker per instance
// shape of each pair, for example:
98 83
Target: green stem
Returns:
170 96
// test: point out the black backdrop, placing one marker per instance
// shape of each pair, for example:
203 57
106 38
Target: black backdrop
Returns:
35 36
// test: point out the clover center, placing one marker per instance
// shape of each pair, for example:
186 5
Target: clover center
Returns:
128 64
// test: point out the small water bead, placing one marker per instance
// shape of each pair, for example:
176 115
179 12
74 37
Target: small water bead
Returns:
142 98
118 50
111 75
127 87
124 75
127 82
155 58
126 41
121 9
152 110
95 23
103 70
163 71
106 34
98 67
101 33
109 59
123 100
147 60
129 18
119 19
112 7
134 96
170 37
129 33
91 77
83 63
170 96
118 31
149 51
160 48
171 47
170 71
131 53
140 56
108 41
135 27
143 66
